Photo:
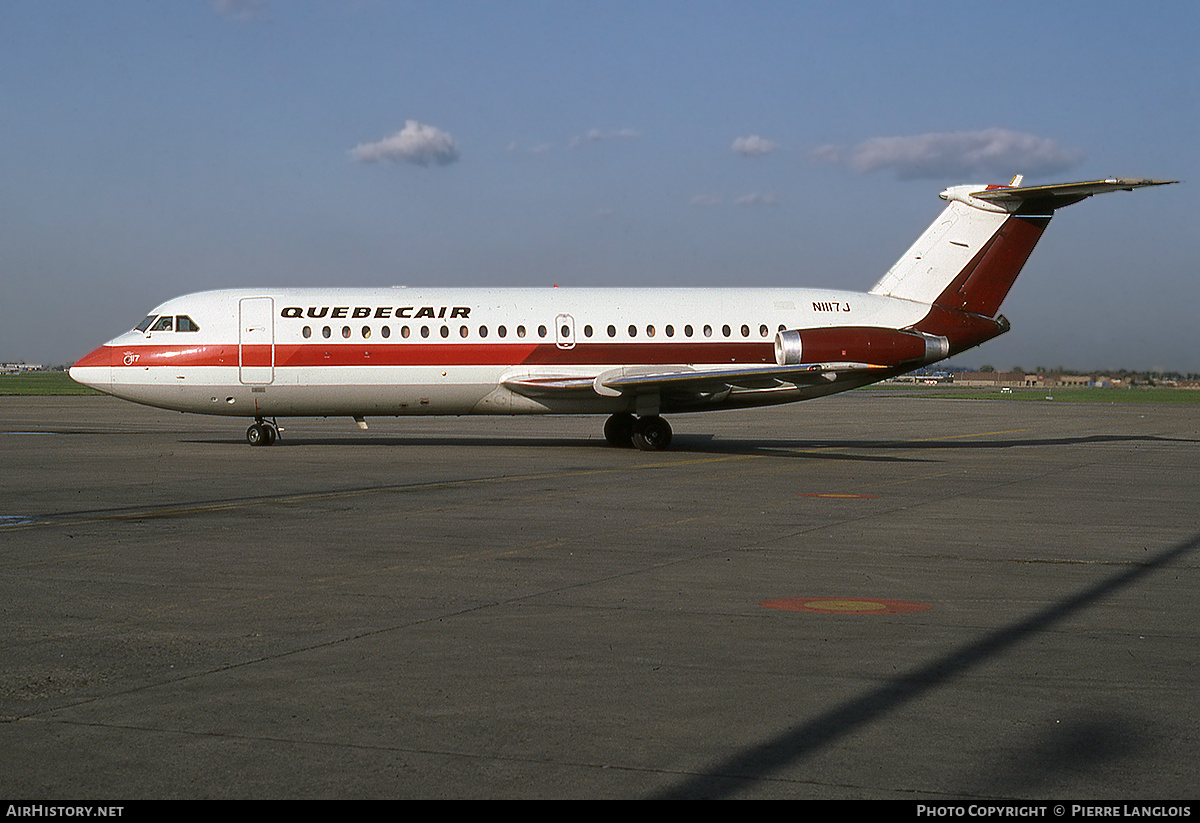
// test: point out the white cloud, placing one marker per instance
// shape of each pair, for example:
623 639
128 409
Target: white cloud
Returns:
758 198
946 154
599 136
753 146
416 143
754 198
578 141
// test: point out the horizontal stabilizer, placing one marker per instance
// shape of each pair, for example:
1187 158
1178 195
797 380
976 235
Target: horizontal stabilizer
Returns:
1057 195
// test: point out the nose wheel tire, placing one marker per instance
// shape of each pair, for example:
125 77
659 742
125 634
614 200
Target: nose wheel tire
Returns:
261 434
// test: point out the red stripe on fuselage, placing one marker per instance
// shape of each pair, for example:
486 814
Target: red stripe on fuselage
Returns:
145 356
100 357
289 355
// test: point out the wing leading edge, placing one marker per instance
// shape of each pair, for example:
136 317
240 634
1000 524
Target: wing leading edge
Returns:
638 380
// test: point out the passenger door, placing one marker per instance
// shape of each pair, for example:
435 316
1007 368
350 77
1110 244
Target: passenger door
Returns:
256 340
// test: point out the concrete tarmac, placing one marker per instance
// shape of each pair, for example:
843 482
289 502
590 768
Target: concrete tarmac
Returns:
866 596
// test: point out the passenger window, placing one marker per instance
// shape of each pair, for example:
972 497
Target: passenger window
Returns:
445 331
520 331
708 331
745 330
483 331
325 332
633 331
307 332
541 331
587 331
502 331
762 330
612 331
687 331
366 332
725 330
424 331
462 332
670 330
386 331
346 331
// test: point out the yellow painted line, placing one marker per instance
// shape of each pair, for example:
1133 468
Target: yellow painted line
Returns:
964 436
844 605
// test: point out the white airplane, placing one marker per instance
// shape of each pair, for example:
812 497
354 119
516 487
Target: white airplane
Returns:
633 354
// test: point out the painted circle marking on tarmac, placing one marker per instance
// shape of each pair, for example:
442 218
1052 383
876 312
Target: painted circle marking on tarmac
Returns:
844 605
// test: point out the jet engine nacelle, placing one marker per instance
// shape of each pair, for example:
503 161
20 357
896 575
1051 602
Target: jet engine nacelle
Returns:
859 344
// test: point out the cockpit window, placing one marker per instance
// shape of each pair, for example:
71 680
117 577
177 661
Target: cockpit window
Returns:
185 323
145 324
164 323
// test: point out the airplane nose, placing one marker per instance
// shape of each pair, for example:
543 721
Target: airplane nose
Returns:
94 369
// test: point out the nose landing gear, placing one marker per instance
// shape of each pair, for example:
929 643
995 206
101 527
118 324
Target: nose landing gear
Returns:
262 433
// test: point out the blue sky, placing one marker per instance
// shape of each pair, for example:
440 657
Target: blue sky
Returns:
154 149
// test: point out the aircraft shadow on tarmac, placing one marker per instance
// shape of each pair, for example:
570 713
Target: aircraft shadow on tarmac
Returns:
1111 737
685 444
814 448
710 444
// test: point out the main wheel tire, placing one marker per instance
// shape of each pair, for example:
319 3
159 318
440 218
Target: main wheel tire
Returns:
618 430
651 433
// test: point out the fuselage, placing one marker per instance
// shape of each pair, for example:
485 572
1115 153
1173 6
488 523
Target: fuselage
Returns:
397 351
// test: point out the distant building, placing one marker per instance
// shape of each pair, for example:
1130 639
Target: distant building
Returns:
18 368
1042 380
1071 380
998 379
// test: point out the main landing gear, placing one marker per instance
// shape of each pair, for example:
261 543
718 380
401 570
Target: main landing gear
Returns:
649 433
262 433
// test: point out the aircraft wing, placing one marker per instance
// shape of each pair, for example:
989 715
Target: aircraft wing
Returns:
676 379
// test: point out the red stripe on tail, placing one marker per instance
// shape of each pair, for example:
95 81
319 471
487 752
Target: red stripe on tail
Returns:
982 285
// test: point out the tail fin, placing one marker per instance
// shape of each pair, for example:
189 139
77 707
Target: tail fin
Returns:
969 258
